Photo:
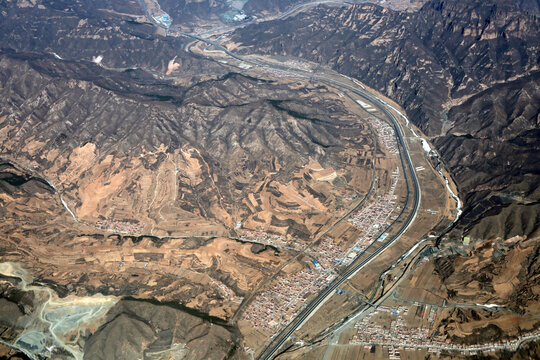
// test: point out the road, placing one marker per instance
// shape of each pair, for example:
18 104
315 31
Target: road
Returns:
225 29
281 338
319 236
512 345
373 301
358 263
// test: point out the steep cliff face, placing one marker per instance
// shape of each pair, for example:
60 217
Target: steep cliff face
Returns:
443 52
112 35
492 150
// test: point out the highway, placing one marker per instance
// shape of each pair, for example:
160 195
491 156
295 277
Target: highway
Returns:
356 265
280 339
246 302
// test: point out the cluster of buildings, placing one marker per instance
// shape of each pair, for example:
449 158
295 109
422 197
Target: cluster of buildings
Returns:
296 64
374 218
399 336
121 226
163 19
385 132
277 240
235 15
275 72
328 255
278 305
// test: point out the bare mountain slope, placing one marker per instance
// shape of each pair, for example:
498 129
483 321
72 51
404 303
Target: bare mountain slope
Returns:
446 50
137 329
433 60
492 149
107 137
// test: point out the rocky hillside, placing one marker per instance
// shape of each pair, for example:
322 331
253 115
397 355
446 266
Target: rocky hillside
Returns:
431 62
125 138
136 330
424 60
531 6
197 136
492 150
127 164
114 35
467 74
189 12
256 7
145 163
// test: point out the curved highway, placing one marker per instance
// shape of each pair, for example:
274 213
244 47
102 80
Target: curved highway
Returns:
357 264
282 337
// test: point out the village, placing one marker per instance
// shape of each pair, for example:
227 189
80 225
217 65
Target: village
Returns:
277 240
385 133
121 226
277 306
399 336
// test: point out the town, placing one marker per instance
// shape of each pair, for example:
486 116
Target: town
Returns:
275 307
374 218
